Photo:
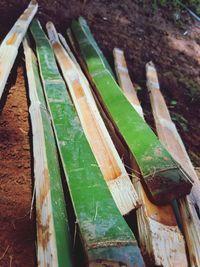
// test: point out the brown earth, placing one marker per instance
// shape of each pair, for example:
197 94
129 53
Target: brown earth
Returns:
17 234
173 45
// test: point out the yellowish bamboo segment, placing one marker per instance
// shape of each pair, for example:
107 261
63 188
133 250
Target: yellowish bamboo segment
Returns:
125 81
168 135
160 239
100 141
9 46
197 169
73 58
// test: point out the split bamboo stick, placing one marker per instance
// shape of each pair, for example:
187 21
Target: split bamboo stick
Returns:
100 141
168 134
164 179
124 80
105 236
9 46
53 238
160 239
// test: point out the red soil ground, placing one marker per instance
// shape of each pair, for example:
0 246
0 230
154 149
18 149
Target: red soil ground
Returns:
174 46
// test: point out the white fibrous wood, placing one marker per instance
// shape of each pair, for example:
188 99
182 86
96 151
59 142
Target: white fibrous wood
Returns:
161 241
98 137
169 136
9 46
46 242
125 81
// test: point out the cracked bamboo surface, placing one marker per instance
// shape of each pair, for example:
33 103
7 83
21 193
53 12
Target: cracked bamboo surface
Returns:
9 46
169 136
53 239
160 239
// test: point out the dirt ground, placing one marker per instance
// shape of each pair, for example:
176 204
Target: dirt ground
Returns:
174 47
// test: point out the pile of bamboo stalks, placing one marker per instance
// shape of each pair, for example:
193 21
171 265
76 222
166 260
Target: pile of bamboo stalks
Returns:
97 163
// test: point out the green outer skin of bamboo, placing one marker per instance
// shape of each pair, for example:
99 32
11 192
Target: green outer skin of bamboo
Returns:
164 179
102 227
93 41
58 202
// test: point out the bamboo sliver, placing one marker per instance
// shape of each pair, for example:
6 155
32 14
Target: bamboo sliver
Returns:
9 46
160 239
53 238
102 146
168 134
125 81
157 166
104 233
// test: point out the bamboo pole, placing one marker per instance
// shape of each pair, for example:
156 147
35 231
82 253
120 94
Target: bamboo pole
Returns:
164 179
160 239
168 134
9 46
105 236
53 239
100 141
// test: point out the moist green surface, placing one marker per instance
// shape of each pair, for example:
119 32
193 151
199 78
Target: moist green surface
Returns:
97 215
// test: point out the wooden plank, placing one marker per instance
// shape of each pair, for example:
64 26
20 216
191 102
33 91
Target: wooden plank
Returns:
168 134
53 238
104 233
9 46
164 179
98 137
161 242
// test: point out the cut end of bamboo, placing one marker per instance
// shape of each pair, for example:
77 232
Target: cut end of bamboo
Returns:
34 2
52 34
124 194
164 249
167 177
152 77
116 255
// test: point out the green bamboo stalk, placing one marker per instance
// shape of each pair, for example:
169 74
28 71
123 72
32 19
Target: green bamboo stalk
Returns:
53 238
105 235
164 179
